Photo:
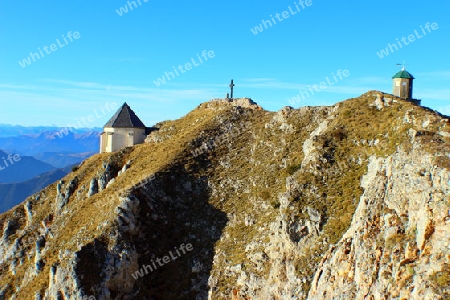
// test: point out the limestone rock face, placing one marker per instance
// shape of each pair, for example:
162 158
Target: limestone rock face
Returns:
64 191
349 201
398 239
237 102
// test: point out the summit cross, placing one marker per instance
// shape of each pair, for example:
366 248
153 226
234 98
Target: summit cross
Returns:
231 87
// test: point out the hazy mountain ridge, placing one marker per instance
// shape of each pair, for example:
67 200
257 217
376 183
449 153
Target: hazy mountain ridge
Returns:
14 193
291 204
21 169
51 141
61 160
7 130
41 149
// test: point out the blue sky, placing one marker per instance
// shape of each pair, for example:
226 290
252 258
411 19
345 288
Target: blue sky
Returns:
117 57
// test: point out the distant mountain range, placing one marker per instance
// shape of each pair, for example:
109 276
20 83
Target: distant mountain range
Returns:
7 130
12 194
20 169
43 155
56 141
60 160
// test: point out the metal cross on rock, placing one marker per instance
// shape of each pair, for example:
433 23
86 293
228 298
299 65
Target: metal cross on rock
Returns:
231 87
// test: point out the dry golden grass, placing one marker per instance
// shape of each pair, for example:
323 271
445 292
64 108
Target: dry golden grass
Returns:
252 165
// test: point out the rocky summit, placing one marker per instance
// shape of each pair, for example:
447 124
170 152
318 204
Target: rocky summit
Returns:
231 201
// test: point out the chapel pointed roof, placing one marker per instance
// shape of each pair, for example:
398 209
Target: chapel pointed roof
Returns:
125 118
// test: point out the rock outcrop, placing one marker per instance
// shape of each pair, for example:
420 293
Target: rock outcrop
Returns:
235 202
398 240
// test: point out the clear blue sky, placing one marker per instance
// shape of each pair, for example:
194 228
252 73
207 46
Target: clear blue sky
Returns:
118 58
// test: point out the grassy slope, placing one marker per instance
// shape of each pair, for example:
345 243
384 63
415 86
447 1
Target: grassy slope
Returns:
252 168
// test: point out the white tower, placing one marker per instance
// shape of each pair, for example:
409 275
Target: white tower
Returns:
403 84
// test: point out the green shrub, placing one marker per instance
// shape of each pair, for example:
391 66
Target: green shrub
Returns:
442 278
293 168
